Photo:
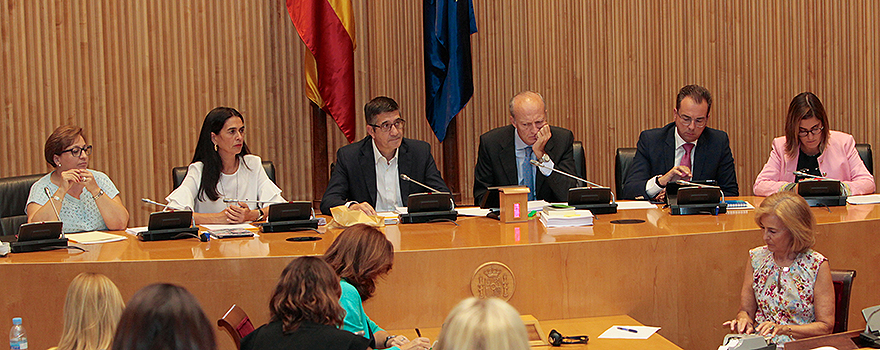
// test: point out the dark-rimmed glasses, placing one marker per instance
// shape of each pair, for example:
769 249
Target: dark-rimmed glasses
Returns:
814 131
398 123
76 151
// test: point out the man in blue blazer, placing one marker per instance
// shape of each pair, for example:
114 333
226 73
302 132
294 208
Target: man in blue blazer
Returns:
367 173
685 149
504 153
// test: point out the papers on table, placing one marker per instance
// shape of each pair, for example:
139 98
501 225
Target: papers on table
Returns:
135 230
391 217
738 204
566 218
472 211
538 205
626 332
94 237
624 205
865 199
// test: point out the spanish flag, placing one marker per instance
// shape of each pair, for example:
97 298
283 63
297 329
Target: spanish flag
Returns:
327 29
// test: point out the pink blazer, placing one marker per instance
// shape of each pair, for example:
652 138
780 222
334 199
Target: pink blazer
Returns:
839 161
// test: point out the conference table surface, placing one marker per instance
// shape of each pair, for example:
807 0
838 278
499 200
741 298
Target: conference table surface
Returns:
469 232
682 273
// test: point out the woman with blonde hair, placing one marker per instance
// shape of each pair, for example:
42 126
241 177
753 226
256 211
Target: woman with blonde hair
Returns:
91 311
787 292
483 324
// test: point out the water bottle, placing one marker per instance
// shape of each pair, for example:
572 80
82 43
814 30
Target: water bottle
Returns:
17 336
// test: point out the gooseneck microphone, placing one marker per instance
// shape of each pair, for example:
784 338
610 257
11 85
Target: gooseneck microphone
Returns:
407 178
593 184
48 194
688 183
801 173
164 206
233 200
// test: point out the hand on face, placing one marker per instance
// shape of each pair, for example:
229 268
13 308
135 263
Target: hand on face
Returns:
543 136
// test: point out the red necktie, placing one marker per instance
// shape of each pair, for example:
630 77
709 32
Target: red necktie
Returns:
686 160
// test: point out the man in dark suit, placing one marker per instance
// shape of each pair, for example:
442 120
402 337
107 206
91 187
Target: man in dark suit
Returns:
367 173
685 149
505 152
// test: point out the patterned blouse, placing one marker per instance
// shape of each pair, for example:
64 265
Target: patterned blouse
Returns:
77 214
785 294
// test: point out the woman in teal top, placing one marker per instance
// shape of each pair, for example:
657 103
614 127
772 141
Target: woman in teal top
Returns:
360 255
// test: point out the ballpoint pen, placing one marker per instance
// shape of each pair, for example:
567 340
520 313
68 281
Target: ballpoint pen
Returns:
628 329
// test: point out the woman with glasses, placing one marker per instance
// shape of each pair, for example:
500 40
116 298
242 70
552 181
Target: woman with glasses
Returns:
787 292
810 146
223 168
81 198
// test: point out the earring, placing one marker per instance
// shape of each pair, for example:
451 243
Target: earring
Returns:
215 148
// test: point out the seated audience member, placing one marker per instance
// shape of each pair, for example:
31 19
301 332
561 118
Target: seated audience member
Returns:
86 199
164 316
360 255
305 312
223 168
810 146
483 324
91 311
686 149
504 155
367 173
787 292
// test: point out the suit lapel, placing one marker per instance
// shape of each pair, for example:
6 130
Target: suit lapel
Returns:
404 166
669 150
368 166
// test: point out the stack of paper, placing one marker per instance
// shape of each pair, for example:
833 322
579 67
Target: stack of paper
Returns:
566 218
94 237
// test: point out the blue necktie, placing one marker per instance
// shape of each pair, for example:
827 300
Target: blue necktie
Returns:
528 172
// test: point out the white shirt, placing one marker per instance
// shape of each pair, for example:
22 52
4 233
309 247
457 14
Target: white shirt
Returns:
387 181
249 182
651 187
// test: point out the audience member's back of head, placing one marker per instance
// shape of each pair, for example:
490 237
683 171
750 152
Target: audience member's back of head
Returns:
308 290
164 317
361 254
483 324
91 311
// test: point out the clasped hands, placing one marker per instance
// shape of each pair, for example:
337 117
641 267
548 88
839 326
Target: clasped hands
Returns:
240 213
83 176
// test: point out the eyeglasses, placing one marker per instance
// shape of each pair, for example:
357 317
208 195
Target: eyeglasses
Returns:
814 131
398 123
76 151
700 122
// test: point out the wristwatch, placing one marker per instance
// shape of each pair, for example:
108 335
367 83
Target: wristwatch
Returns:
545 158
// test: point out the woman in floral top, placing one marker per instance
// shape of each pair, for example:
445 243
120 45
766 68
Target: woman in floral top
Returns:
787 293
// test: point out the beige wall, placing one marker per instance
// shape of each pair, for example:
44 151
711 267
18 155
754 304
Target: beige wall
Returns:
141 75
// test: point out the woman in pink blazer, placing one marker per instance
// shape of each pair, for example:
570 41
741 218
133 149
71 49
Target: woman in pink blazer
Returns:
810 146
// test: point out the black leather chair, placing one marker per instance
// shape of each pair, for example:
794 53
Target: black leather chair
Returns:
842 280
13 197
867 155
179 173
622 162
580 161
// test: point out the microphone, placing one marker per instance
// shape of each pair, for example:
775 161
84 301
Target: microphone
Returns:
165 206
51 202
233 200
593 184
407 178
801 173
688 183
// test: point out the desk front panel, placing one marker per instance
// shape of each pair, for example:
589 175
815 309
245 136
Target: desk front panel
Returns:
682 273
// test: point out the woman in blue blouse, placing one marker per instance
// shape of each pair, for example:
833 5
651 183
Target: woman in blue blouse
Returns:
85 199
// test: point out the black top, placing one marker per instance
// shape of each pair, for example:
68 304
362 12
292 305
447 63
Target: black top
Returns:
309 336
807 164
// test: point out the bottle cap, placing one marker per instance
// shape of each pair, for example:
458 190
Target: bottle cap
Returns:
16 320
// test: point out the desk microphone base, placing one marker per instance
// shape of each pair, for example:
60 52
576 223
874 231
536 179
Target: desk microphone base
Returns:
37 245
428 216
693 209
826 201
287 226
169 234
603 208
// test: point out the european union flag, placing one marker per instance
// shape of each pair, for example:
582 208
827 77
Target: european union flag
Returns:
449 80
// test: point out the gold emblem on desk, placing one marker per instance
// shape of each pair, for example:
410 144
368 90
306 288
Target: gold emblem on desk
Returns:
493 279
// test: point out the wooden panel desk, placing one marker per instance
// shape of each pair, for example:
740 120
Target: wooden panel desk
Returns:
589 326
682 273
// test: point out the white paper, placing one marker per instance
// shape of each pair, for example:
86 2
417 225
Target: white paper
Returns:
624 205
865 199
135 230
212 227
538 205
643 332
472 211
94 237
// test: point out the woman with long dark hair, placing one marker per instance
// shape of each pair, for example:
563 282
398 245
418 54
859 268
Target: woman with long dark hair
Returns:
223 168
164 316
305 312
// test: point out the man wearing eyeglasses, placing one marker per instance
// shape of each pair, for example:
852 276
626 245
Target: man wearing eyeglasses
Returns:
505 153
686 149
366 176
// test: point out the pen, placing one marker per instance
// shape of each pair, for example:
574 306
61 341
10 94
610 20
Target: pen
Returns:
532 213
628 329
418 333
